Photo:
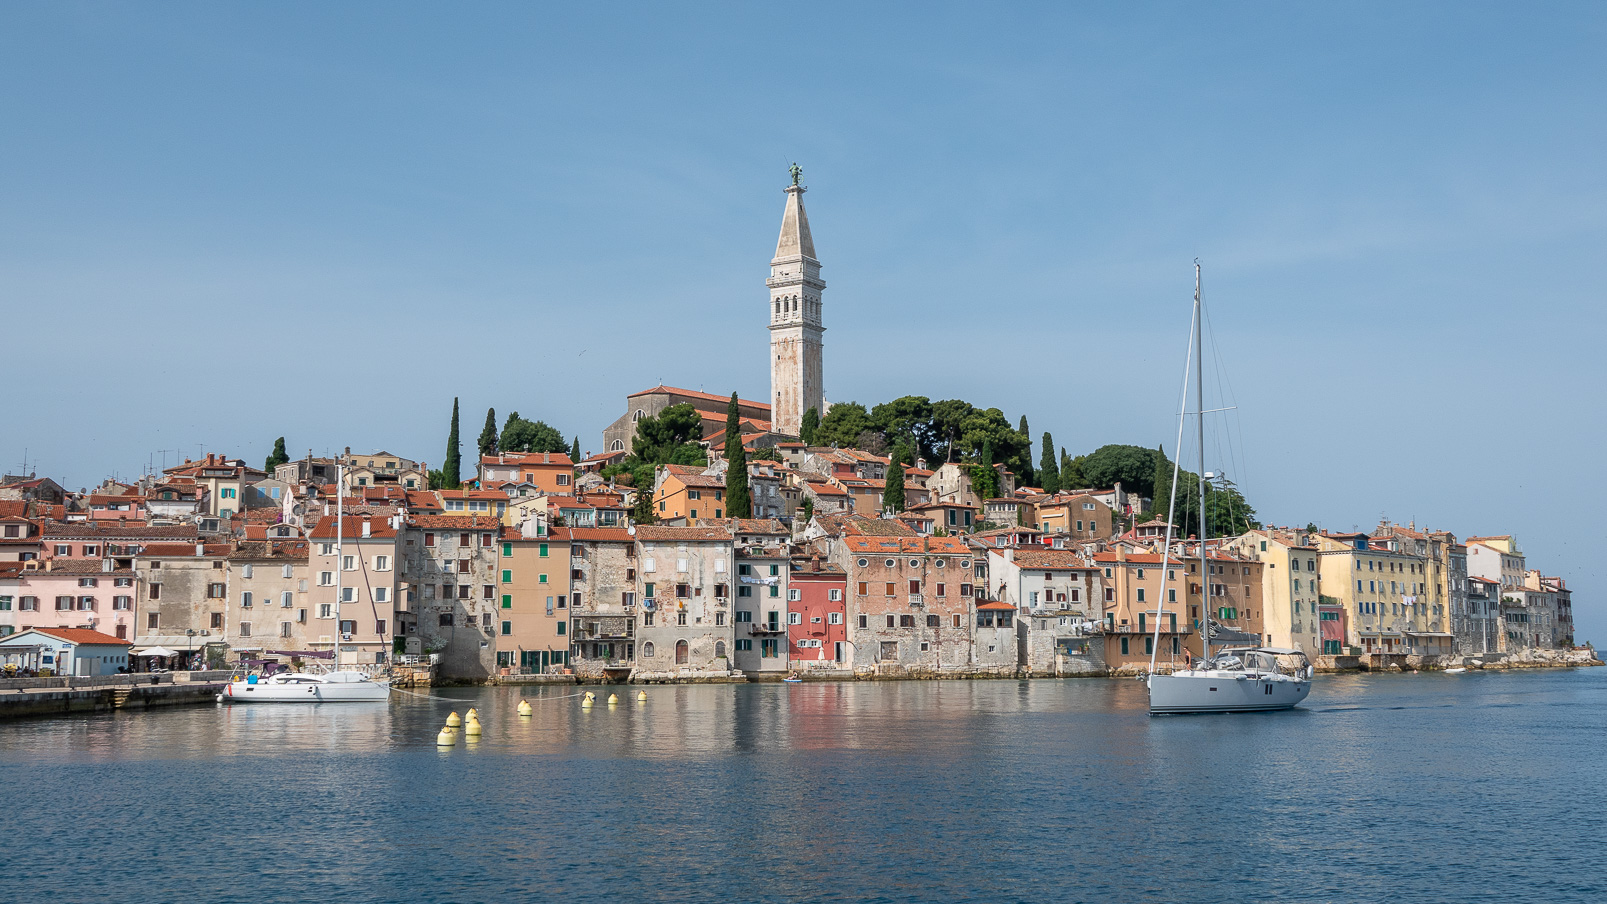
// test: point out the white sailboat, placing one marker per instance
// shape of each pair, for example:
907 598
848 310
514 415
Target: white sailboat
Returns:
306 687
1241 679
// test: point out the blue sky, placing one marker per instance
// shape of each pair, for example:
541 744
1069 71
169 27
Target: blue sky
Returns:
221 223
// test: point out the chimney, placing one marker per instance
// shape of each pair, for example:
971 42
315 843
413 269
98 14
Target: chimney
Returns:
368 526
106 565
814 562
200 550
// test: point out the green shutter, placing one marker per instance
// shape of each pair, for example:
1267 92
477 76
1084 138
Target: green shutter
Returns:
543 579
507 601
543 550
507 576
560 629
507 549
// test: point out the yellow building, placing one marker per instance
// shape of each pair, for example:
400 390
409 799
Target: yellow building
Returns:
1290 591
1385 594
686 492
533 599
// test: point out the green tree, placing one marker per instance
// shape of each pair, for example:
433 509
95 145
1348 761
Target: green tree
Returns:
1162 483
984 478
488 434
520 435
948 425
1024 475
663 439
811 423
808 509
1071 475
906 421
642 512
842 425
1048 470
450 469
277 457
574 451
1131 466
738 501
893 493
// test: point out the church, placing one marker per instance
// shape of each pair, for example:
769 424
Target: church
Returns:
796 328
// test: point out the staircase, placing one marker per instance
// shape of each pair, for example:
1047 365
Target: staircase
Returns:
120 696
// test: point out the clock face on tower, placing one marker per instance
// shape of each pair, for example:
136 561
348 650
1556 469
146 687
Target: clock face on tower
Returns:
795 318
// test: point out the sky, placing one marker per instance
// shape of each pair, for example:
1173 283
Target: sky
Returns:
223 223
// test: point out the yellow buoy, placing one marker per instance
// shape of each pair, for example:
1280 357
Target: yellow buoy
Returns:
524 708
641 696
446 738
472 729
453 721
612 699
472 713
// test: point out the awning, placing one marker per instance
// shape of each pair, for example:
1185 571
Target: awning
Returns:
156 651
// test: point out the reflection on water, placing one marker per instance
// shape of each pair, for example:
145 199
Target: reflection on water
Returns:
1397 787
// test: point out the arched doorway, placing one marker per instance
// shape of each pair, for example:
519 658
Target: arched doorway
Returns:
719 649
681 651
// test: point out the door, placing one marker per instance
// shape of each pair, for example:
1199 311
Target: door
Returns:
681 651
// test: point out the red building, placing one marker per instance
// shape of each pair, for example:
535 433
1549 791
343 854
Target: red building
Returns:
817 616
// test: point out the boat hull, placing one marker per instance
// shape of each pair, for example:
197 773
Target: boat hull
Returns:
1191 692
347 692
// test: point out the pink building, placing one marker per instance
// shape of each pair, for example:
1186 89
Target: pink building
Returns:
76 593
817 615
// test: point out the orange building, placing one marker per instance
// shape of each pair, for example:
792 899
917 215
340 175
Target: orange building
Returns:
551 473
684 491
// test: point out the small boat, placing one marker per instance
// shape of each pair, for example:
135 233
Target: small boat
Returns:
793 679
305 687
1456 671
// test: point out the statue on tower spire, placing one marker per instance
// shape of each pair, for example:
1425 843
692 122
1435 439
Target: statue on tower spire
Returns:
796 171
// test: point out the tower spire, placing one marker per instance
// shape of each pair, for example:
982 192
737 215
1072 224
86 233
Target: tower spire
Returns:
796 325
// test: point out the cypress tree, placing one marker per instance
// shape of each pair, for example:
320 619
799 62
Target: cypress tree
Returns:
808 509
1161 503
1048 471
450 469
1027 478
574 451
811 423
488 436
738 501
278 457
893 494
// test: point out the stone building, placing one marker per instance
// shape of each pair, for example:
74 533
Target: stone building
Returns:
268 596
686 579
621 434
182 597
450 566
763 607
910 603
604 602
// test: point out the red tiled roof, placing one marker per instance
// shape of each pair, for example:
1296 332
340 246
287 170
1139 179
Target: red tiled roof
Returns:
182 550
83 636
352 528
906 544
1051 559
694 394
995 606
600 534
655 533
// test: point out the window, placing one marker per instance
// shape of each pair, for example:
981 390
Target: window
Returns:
429 540
932 621
890 589
446 619
507 628
834 618
245 599
892 621
382 563
119 603
150 621
286 599
214 591
382 594
326 578
863 621
245 629
216 620
793 594
906 621
156 594
794 618
507 576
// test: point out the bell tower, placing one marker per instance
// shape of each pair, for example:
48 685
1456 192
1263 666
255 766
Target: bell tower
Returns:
796 382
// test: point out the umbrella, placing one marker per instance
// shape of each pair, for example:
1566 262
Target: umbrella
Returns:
158 651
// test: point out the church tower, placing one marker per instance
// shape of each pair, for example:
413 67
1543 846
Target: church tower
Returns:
795 321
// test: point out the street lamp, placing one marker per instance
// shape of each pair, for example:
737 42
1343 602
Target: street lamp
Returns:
189 654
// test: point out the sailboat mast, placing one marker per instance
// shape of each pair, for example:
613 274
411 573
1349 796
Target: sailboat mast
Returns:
1199 421
340 521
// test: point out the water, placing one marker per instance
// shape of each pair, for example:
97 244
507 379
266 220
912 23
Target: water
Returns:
1479 787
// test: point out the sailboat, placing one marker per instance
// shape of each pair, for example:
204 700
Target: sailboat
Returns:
1237 678
305 687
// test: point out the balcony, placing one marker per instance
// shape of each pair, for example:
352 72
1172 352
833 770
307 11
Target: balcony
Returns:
764 629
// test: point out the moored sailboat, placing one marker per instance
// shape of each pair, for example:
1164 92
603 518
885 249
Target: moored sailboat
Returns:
1234 679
